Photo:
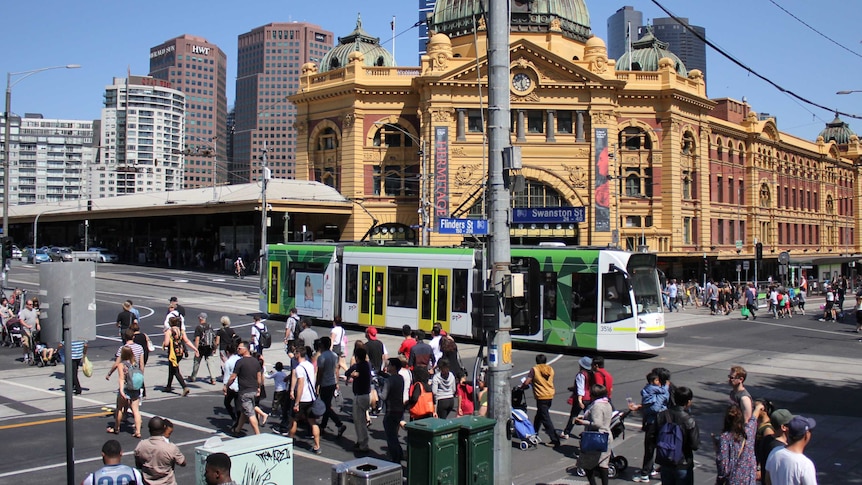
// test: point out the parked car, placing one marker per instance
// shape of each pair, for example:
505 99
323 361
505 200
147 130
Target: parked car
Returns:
17 254
105 256
60 254
36 256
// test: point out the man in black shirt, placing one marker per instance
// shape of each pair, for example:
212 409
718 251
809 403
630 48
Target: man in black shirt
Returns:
393 395
681 473
248 371
421 355
361 375
377 354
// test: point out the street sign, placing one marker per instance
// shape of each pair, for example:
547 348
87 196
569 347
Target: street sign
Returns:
739 244
745 265
784 257
462 226
531 215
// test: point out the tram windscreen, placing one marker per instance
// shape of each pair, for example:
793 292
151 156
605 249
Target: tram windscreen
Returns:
643 276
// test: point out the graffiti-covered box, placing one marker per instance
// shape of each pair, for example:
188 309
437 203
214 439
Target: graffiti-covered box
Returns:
256 459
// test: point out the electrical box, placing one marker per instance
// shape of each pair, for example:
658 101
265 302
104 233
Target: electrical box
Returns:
512 158
513 285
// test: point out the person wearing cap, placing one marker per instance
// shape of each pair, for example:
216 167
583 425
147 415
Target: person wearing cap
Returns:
377 354
200 331
789 465
779 419
541 378
583 381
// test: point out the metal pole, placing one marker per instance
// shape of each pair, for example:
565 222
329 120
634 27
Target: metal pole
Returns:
500 352
7 151
70 409
264 178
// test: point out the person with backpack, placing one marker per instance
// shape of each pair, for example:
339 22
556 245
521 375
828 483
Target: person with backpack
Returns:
206 341
654 399
260 336
360 375
131 380
677 438
597 417
226 336
734 456
420 401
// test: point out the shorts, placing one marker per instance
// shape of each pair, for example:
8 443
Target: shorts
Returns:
305 411
133 395
246 401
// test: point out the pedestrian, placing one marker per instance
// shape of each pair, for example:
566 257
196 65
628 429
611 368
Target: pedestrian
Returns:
602 376
597 417
338 336
681 473
179 308
327 381
257 328
217 470
231 388
226 336
205 341
248 373
114 471
465 396
541 378
739 395
303 395
393 395
174 343
157 457
29 317
421 354
137 351
79 351
360 374
173 312
734 458
789 465
435 341
279 380
780 418
125 318
377 353
408 342
444 387
127 397
450 352
654 400
419 396
290 329
584 380
307 337
751 300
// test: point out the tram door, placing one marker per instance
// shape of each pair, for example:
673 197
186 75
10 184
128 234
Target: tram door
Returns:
372 295
274 293
435 298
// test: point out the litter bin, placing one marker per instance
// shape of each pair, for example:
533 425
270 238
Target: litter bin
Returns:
366 471
432 452
475 450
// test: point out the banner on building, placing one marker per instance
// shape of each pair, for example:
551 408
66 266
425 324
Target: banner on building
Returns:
601 198
441 171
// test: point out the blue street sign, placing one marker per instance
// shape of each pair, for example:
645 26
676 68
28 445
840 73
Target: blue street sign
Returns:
530 215
462 226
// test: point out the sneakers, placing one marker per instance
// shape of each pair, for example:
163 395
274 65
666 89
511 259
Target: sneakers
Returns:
654 473
341 430
641 478
317 451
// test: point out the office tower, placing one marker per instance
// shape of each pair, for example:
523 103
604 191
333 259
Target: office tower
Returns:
618 25
426 8
686 45
49 162
141 138
198 68
231 122
269 64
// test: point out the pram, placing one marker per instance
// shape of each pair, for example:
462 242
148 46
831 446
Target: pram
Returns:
618 428
521 426
14 332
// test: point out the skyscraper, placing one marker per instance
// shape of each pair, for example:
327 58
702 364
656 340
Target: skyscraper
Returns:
198 68
140 137
685 44
269 64
618 25
426 7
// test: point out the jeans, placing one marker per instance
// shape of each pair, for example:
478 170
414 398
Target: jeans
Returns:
327 393
174 371
650 432
361 403
671 475
543 417
391 426
230 403
197 364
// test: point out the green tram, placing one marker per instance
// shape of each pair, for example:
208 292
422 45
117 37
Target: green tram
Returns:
590 298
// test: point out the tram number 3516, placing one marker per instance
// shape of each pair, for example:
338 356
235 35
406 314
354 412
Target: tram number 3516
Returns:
606 328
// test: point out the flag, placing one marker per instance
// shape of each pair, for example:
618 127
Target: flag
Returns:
392 24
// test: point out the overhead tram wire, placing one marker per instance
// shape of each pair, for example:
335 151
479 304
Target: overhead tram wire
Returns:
821 34
741 64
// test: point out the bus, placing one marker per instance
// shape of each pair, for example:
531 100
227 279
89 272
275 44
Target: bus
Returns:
599 299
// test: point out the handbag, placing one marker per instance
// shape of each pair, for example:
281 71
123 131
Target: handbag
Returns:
745 311
87 367
594 441
150 346
318 407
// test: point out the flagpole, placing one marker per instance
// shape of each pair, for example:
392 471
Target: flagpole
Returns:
392 24
629 44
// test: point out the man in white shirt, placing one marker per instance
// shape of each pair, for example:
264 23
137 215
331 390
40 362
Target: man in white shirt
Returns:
788 465
173 312
435 342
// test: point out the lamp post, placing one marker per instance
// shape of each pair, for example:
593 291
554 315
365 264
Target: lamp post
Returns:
7 151
849 91
204 151
423 163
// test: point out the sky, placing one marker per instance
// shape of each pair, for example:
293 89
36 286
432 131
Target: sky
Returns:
107 38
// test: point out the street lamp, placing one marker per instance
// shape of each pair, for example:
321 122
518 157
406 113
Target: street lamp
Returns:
204 151
7 150
423 162
849 91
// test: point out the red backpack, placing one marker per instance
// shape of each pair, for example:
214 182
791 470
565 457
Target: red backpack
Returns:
424 405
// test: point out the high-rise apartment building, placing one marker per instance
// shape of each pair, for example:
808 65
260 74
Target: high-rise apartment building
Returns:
618 25
269 64
141 138
48 158
690 49
198 68
426 8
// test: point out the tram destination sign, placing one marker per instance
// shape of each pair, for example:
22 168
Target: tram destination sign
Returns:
532 215
462 226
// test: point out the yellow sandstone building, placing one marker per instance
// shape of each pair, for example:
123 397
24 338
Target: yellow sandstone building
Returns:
656 164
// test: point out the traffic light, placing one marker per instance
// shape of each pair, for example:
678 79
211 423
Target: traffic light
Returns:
7 248
758 251
484 311
705 265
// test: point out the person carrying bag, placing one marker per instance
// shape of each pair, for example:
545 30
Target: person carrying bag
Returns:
596 439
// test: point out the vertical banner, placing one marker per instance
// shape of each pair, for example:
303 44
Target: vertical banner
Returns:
601 199
441 172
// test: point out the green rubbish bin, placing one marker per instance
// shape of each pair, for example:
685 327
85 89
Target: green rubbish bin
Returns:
476 450
432 452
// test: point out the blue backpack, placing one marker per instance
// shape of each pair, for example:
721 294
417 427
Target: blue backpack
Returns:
669 440
134 378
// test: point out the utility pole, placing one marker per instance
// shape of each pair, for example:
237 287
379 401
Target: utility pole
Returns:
499 250
264 178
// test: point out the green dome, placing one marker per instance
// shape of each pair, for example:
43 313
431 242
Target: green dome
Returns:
646 53
455 17
837 131
357 41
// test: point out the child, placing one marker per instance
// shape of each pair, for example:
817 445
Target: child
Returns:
278 377
465 396
654 399
47 353
169 429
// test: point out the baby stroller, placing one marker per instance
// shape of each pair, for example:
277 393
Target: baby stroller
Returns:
521 426
15 332
618 428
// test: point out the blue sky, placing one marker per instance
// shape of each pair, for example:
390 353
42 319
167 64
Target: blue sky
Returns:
106 37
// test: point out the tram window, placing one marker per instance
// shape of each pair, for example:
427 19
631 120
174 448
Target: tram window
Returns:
459 290
584 297
526 319
403 284
351 278
297 267
379 284
425 313
616 303
442 298
549 296
291 282
365 303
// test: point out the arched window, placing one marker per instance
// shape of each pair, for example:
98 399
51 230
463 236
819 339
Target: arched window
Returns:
719 149
634 138
398 174
633 185
830 205
327 170
765 196
688 146
535 194
391 135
